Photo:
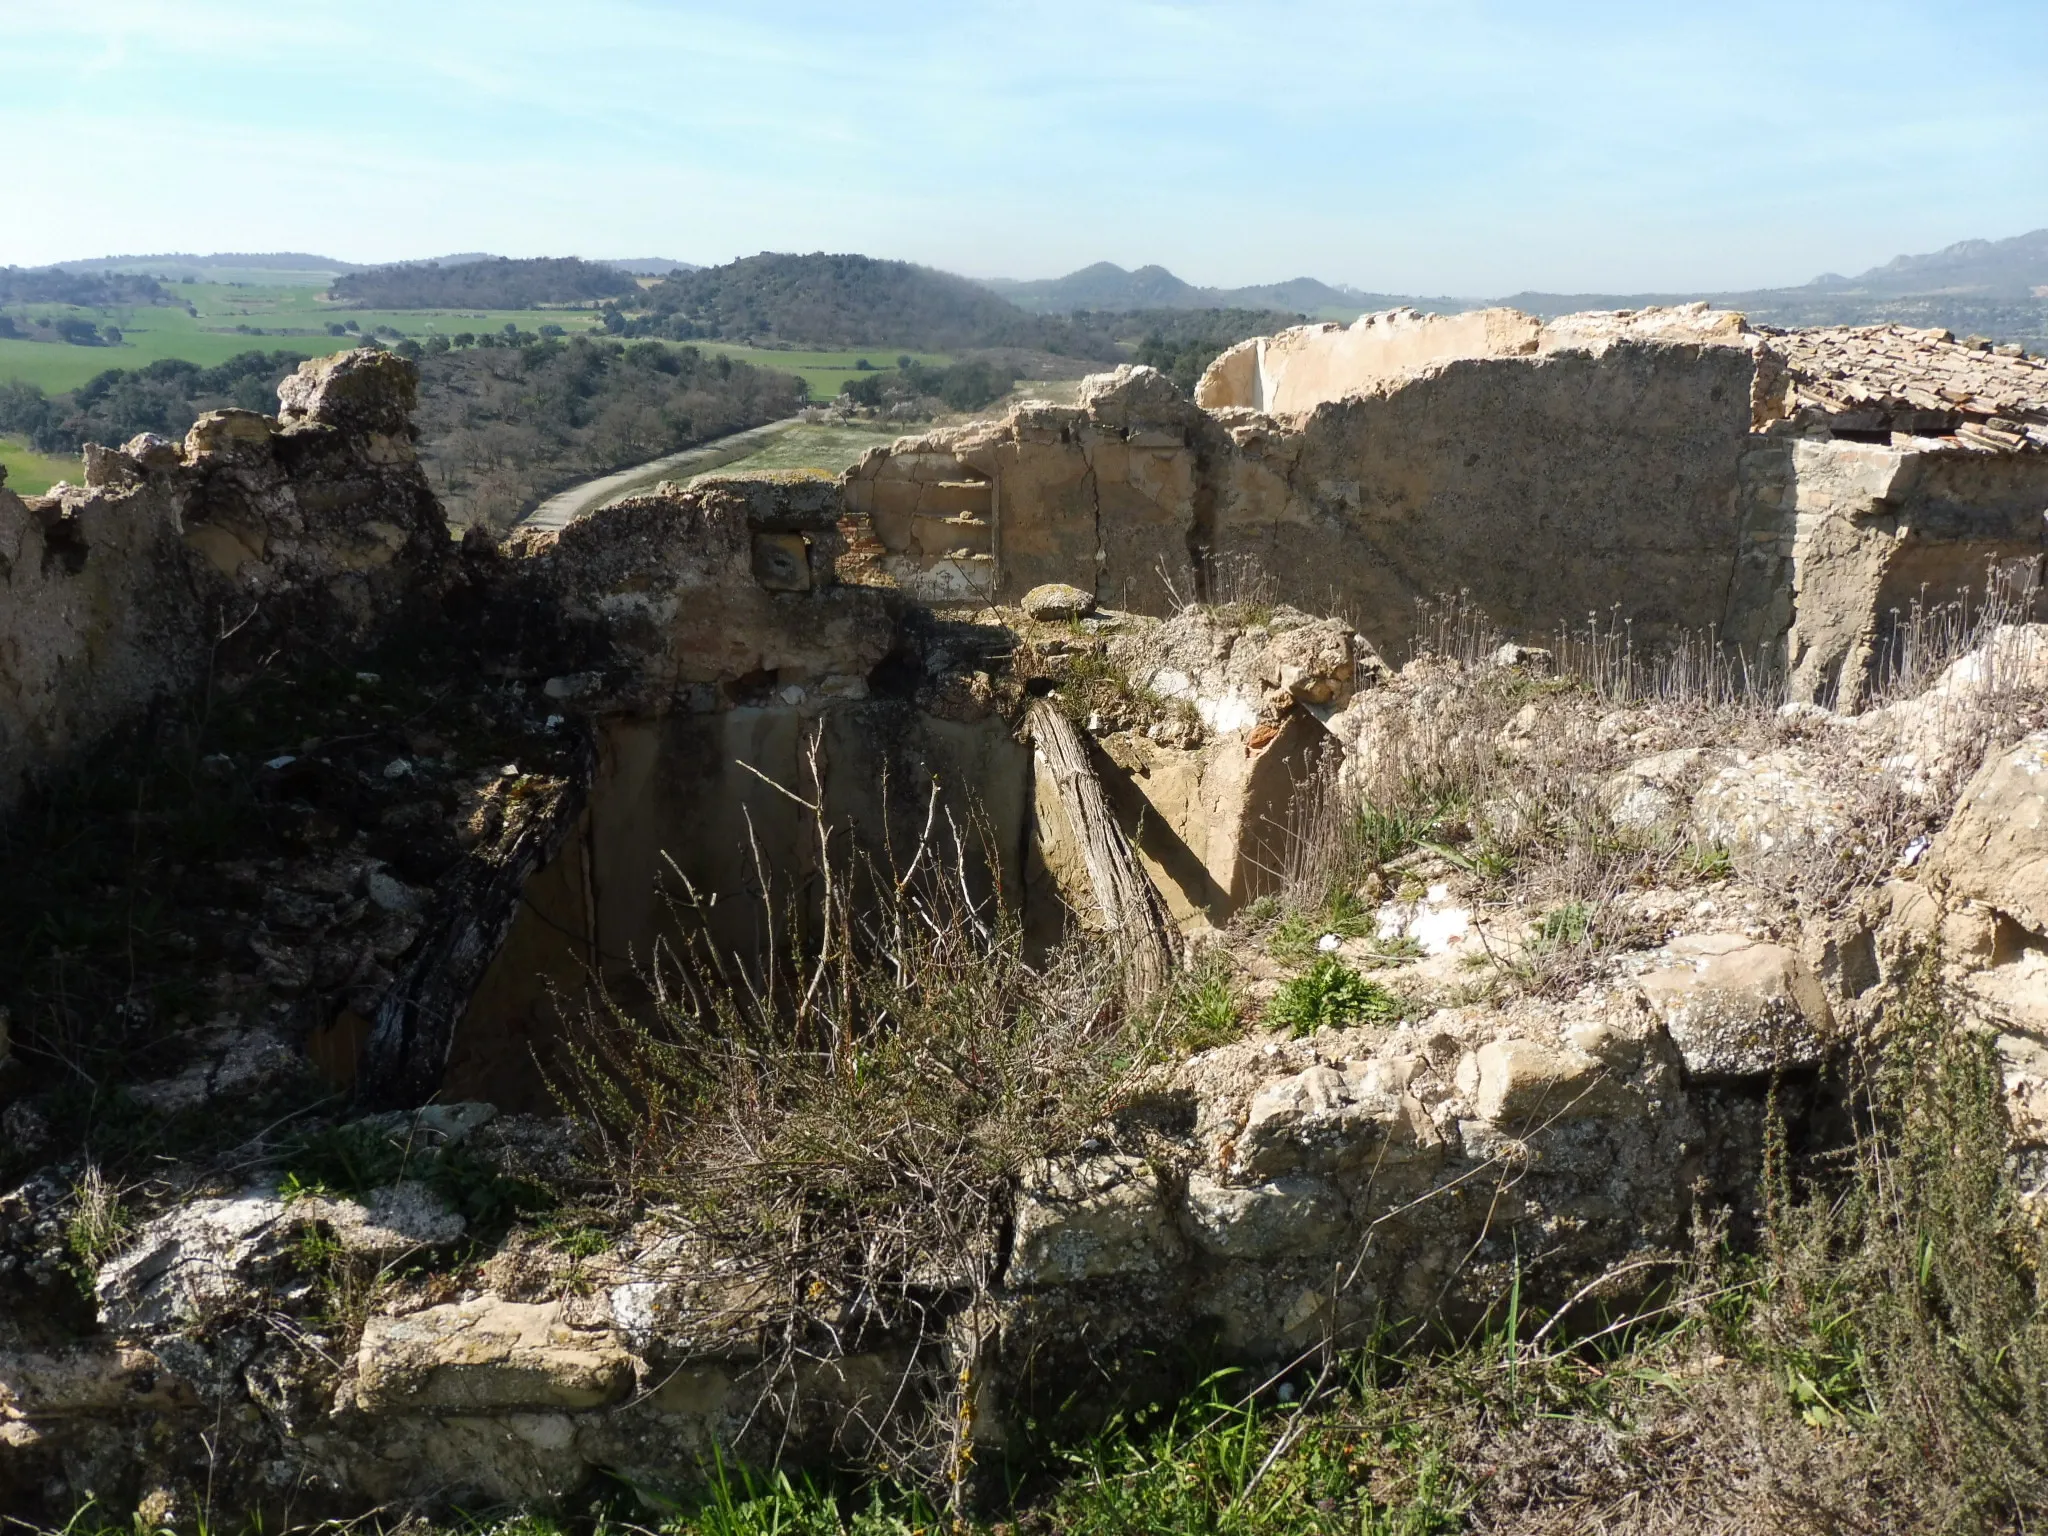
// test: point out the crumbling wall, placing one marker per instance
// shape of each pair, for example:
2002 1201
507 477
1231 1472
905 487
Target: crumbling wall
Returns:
1842 538
1667 466
1311 365
702 827
1545 485
175 561
1302 368
727 674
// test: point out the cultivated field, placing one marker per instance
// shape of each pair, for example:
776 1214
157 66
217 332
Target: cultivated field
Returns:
289 318
825 372
815 446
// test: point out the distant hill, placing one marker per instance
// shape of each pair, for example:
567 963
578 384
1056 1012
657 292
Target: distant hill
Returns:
2012 269
90 290
650 266
295 267
1108 286
1995 288
493 282
837 301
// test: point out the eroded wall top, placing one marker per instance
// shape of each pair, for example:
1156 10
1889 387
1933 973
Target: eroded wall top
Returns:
1311 365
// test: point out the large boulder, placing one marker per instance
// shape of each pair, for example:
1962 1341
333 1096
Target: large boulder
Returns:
1769 803
1995 848
361 391
1738 1007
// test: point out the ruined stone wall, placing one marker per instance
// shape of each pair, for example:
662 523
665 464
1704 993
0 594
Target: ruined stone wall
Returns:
1669 467
1300 369
1544 485
1841 540
1311 365
179 560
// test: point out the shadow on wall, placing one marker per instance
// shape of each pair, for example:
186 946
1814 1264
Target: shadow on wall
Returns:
686 814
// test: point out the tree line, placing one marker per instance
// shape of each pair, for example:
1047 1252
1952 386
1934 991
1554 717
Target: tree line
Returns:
495 283
88 290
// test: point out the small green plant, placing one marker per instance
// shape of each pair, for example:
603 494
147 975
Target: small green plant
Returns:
1209 1007
1329 995
97 1225
1385 833
1563 927
344 1160
1708 862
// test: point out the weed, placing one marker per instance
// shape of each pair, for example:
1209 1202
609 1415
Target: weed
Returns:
97 1226
1564 927
1707 862
1211 1013
344 1160
1330 995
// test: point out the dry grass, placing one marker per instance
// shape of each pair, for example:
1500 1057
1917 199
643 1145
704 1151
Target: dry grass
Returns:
843 1122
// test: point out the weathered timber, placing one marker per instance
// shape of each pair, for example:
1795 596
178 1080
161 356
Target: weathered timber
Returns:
1130 908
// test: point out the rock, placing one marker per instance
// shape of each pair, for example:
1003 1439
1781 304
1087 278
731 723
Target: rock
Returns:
388 1223
1739 1007
1055 603
91 1379
782 562
151 451
488 1356
1645 795
366 390
1932 743
1134 396
1995 847
195 1261
1237 676
23 1128
677 1298
1770 803
1523 1084
234 1064
1090 1218
390 893
1285 1217
1331 1118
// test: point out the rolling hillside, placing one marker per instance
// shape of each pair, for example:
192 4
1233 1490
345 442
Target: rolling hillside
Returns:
822 300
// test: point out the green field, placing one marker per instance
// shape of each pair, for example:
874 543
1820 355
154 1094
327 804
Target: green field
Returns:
295 317
30 473
825 372
814 446
149 332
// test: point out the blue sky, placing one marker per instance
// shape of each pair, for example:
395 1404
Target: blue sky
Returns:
1470 147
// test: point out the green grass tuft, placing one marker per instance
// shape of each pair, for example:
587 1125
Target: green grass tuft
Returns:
1331 995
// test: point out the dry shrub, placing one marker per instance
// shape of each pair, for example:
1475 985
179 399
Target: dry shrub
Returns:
1493 762
1923 641
842 1122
